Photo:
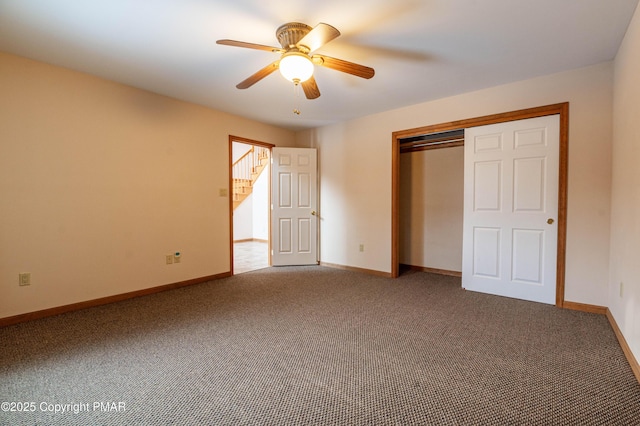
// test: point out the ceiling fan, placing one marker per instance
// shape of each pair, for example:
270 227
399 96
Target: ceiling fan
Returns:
297 60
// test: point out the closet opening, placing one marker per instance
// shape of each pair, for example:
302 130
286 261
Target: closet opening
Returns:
432 202
562 109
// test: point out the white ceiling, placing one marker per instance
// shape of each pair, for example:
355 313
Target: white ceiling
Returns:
420 49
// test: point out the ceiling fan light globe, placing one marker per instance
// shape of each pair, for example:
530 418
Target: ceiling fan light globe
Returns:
296 67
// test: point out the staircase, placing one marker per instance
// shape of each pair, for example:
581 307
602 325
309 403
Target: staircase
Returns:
245 172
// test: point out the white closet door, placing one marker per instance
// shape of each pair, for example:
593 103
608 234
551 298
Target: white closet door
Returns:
511 208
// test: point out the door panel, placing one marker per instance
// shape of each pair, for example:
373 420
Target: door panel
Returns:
284 238
304 190
294 216
511 192
528 247
487 190
486 252
284 181
304 235
529 185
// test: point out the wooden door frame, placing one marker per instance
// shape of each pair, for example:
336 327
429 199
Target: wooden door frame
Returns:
246 141
561 109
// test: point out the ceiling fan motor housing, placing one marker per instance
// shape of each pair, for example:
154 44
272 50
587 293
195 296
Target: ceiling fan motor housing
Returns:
291 33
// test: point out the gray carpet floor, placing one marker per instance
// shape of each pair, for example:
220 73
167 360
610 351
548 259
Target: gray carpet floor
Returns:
318 346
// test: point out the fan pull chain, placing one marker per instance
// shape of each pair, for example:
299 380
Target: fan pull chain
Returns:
296 92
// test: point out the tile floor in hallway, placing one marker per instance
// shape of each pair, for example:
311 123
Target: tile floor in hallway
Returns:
249 256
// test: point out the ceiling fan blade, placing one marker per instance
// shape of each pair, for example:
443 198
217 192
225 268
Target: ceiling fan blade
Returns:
320 35
250 45
343 66
310 88
258 75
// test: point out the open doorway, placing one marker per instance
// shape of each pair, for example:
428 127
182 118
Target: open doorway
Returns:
250 170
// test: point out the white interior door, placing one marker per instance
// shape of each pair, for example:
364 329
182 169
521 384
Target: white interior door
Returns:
294 217
511 207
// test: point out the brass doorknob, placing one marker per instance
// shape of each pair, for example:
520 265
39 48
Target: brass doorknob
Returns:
550 221
313 212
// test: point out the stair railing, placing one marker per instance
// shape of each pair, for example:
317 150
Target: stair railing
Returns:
249 162
245 169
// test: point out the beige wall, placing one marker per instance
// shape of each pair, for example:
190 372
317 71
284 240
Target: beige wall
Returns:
355 172
431 208
99 181
625 199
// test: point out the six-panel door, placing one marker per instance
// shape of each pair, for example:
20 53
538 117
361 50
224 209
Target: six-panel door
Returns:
510 209
294 216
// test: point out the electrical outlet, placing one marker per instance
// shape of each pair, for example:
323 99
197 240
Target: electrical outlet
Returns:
223 192
24 278
176 257
361 247
169 259
621 288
